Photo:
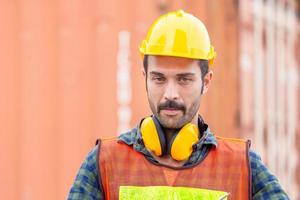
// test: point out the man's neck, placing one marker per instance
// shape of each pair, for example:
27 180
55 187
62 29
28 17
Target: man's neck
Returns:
169 133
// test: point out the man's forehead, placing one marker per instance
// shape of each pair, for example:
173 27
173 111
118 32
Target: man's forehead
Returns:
172 63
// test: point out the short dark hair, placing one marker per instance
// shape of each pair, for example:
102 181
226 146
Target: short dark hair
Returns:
203 64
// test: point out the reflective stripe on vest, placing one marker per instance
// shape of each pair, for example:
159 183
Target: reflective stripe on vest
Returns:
225 168
169 193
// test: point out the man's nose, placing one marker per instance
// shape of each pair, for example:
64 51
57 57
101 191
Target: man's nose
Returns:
171 91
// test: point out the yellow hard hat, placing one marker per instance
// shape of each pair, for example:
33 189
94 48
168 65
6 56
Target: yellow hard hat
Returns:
178 34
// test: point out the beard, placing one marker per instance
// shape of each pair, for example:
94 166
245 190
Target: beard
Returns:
178 121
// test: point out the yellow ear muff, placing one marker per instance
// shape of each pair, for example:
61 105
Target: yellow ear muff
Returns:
182 145
150 136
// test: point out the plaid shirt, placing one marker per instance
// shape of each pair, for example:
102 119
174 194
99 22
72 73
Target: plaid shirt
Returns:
87 185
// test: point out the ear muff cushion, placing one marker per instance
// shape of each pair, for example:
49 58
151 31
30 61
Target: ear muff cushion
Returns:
182 145
151 137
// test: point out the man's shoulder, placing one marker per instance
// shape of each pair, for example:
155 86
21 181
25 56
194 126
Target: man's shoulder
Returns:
254 155
102 141
125 137
232 139
124 140
232 144
92 154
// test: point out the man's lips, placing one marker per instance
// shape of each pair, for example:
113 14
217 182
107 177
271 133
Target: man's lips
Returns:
171 111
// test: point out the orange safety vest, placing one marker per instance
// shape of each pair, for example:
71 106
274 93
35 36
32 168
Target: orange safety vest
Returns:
225 168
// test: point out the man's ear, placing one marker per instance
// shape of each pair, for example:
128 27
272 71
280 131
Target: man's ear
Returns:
143 71
206 81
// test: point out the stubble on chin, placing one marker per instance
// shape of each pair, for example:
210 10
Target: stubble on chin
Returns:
171 122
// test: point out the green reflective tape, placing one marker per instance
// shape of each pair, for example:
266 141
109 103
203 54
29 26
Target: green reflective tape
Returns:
169 193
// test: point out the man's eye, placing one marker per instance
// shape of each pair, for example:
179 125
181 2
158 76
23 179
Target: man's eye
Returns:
159 79
184 80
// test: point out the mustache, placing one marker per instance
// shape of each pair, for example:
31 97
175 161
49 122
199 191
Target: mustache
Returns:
171 105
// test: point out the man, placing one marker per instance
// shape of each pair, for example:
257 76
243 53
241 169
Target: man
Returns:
172 154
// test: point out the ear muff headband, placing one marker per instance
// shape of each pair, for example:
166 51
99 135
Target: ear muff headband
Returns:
161 135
